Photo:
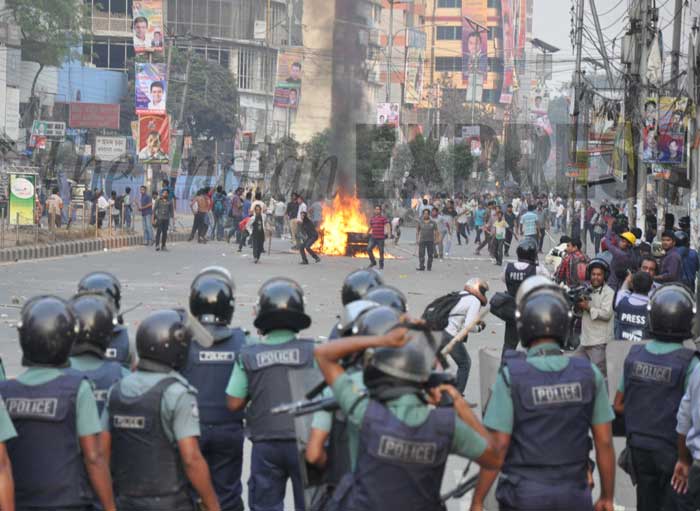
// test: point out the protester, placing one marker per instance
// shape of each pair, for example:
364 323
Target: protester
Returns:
377 237
127 208
55 208
219 208
309 236
146 208
426 234
500 227
257 232
671 264
236 214
572 270
162 212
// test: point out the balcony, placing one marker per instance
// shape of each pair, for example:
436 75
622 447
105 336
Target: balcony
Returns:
104 23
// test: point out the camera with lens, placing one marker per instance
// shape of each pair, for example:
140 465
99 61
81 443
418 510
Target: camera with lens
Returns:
576 295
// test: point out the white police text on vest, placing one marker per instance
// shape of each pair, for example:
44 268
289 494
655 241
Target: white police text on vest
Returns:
408 452
278 357
40 407
652 372
555 394
216 356
129 422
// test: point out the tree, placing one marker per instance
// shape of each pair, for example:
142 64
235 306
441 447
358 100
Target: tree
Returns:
51 30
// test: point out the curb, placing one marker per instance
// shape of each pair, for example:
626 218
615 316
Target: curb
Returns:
77 247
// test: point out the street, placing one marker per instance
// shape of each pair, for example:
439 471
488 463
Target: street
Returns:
160 280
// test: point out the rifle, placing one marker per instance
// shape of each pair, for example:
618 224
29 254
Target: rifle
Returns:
465 485
301 408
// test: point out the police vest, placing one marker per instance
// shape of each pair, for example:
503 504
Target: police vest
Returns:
146 465
118 349
398 466
267 367
47 466
632 321
515 277
553 412
103 378
654 387
208 370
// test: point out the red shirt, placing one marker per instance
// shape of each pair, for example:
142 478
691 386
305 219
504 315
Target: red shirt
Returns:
377 224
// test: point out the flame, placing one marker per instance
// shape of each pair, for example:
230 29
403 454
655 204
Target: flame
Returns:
342 216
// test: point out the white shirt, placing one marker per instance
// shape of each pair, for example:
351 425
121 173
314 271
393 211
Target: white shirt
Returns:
102 203
463 314
302 209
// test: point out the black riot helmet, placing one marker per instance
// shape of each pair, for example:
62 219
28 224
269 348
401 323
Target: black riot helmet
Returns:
47 331
389 296
527 250
212 299
281 306
682 239
103 282
598 262
542 312
376 321
164 337
671 312
358 283
350 315
96 317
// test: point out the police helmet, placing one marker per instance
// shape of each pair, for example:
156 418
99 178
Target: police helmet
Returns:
543 313
671 312
164 337
351 312
212 299
389 296
96 317
530 284
527 250
103 282
358 283
682 239
47 330
281 306
598 262
376 321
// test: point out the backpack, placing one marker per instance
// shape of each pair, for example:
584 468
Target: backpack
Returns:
437 313
218 205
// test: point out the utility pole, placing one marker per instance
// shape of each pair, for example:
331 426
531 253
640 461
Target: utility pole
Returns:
643 44
601 42
391 51
578 81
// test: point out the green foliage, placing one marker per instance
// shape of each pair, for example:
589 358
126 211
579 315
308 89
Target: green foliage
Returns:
375 146
421 159
318 148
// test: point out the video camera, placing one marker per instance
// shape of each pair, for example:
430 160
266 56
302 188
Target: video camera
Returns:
576 295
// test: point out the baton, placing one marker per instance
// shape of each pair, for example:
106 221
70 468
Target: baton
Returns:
132 309
465 331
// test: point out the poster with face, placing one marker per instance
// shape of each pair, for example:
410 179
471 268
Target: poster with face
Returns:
154 138
475 60
148 26
289 80
671 129
151 88
508 52
388 114
650 132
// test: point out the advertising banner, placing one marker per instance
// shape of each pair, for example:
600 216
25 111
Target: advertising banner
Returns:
94 116
388 113
54 131
520 19
154 138
151 88
22 192
475 62
148 26
289 79
508 52
472 137
110 148
672 128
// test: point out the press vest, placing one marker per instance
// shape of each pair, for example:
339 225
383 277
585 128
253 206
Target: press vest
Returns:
553 412
654 387
118 349
103 378
47 465
632 321
146 464
208 370
267 367
515 277
398 466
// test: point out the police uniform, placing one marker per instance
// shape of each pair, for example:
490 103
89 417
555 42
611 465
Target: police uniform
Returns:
402 449
51 410
261 375
547 403
119 348
147 413
514 275
208 370
103 374
657 375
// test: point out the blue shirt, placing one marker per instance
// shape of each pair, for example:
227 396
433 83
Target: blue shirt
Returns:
689 415
246 208
529 223
146 200
479 216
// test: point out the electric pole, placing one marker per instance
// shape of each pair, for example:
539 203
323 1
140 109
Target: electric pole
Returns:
643 45
578 81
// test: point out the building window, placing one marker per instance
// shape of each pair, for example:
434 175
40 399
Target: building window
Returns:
449 33
491 96
108 53
450 3
449 64
493 3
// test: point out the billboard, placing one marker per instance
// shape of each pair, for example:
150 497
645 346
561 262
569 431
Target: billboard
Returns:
388 114
475 62
94 116
154 138
663 130
148 26
151 88
110 148
21 204
508 24
289 79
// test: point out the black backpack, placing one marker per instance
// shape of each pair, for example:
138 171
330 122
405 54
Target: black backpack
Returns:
437 314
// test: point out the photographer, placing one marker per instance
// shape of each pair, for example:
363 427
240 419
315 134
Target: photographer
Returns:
597 310
631 316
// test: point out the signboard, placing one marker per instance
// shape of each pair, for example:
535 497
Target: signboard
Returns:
508 24
148 26
151 88
154 139
660 171
94 116
472 137
22 192
110 148
475 60
388 114
246 163
260 30
289 77
54 131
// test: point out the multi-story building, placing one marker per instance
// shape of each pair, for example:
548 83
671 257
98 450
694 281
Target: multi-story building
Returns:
10 76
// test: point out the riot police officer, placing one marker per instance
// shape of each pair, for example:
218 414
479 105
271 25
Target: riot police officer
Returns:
212 302
260 381
514 275
657 374
7 432
403 443
541 410
389 296
151 422
56 456
119 348
355 287
96 316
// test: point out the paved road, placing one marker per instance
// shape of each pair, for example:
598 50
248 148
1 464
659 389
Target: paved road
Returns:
162 280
